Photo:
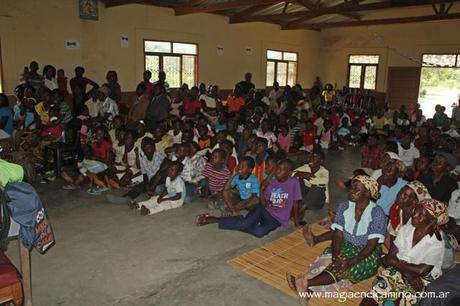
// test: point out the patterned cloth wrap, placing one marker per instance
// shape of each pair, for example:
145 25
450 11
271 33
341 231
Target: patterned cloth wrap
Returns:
420 190
363 270
390 283
371 184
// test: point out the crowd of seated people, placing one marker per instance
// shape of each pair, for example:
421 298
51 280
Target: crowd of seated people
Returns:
236 153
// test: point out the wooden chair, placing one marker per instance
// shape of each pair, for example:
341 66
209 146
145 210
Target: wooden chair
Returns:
60 150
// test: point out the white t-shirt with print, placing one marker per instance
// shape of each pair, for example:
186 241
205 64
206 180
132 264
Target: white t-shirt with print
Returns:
174 187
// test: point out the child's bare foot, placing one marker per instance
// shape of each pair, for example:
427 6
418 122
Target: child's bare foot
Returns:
67 178
291 282
98 182
301 283
340 182
308 235
111 183
201 219
144 211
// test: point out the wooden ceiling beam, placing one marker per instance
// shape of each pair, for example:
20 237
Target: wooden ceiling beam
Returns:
285 7
219 6
267 18
372 22
350 6
113 3
251 10
193 2
315 6
449 6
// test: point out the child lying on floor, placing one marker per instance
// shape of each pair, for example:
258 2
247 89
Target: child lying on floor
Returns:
172 197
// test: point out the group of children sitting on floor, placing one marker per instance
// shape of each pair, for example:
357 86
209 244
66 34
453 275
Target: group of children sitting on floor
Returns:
235 153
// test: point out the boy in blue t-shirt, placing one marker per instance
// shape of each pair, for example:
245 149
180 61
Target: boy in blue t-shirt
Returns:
277 202
246 184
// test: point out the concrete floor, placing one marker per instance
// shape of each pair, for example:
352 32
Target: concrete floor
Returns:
106 254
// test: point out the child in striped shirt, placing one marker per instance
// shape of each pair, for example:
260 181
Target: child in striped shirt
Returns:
215 174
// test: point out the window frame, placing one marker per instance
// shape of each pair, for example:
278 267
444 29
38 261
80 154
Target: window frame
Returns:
276 61
363 71
457 59
172 54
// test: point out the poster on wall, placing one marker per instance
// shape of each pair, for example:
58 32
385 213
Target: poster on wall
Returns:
88 9
248 50
124 41
220 51
72 44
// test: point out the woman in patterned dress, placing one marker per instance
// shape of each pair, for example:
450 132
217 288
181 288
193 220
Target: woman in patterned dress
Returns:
358 232
414 259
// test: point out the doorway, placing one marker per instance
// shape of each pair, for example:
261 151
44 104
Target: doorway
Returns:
439 82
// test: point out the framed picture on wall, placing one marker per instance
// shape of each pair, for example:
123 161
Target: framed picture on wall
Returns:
88 9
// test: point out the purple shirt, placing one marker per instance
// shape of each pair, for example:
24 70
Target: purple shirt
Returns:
280 197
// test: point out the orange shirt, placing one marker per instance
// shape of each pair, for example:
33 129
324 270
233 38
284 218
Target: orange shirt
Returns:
234 104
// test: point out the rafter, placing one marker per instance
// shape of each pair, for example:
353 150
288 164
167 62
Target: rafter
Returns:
112 3
219 6
251 10
376 22
351 7
449 7
317 5
267 18
285 6
346 7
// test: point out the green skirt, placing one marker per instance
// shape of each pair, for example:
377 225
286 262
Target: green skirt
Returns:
363 270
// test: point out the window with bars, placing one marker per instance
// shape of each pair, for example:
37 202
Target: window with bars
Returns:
281 67
178 60
362 71
441 60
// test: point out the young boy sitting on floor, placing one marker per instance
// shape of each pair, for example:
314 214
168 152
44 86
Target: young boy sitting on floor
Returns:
152 165
215 174
172 197
246 184
275 208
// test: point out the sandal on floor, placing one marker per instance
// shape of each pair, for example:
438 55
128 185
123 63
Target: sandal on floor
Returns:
200 218
97 190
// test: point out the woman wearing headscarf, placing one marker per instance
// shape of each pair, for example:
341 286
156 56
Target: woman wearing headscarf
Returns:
402 210
358 232
414 257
